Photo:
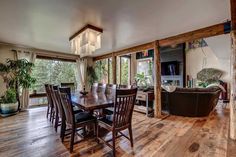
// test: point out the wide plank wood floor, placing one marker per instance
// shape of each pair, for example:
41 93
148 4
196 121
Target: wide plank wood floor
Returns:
30 134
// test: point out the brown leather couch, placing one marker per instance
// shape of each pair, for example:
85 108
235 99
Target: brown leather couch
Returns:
191 102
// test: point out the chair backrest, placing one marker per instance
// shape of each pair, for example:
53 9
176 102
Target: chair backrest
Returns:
54 100
66 90
57 101
120 86
101 88
48 93
94 87
123 107
68 109
71 85
110 89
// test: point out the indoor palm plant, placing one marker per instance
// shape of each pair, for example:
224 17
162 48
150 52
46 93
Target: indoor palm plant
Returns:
16 75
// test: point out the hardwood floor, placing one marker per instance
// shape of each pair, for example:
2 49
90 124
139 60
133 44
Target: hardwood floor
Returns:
30 134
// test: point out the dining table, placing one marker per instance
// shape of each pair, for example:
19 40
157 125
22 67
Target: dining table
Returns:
93 100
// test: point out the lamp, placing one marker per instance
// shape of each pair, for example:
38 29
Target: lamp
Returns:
86 40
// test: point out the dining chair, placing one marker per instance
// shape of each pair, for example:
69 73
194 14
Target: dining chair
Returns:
101 88
120 86
57 106
74 121
94 88
121 118
50 108
110 89
71 85
61 110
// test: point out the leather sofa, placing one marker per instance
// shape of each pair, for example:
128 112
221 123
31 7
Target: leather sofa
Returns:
191 102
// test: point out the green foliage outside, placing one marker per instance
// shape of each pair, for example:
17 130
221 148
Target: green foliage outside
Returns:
101 70
52 72
124 71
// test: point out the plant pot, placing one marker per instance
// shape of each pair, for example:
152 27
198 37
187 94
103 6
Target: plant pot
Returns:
9 109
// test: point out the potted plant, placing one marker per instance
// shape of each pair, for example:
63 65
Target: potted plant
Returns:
9 104
92 76
16 75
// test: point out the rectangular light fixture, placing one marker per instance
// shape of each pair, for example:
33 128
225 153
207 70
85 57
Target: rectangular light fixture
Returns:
86 40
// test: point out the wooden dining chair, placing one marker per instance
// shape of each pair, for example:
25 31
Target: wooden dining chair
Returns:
101 88
74 121
50 109
71 85
121 118
57 106
110 89
61 111
120 86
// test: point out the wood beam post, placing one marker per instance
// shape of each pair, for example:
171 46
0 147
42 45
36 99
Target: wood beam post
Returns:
113 68
157 79
233 72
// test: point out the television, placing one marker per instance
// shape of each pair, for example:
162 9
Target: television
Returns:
170 68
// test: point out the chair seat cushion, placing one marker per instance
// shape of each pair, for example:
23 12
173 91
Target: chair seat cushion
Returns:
83 116
77 110
108 110
106 120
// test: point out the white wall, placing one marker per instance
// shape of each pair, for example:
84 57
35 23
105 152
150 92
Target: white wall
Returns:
5 53
199 58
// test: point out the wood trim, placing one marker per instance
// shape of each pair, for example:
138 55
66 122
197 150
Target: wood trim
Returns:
233 14
214 30
42 52
157 79
134 49
55 58
131 50
109 55
114 69
88 26
233 72
38 95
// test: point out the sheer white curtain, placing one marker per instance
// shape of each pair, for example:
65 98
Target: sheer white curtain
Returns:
81 73
24 95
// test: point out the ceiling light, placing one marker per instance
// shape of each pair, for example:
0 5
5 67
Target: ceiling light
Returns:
86 40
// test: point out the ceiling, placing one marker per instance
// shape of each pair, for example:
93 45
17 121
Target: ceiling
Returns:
48 25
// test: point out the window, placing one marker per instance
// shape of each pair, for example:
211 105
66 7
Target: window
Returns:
103 69
123 70
145 67
52 72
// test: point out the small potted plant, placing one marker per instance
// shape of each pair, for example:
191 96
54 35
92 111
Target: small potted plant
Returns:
9 104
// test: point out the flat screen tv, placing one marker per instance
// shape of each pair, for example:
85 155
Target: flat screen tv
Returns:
170 68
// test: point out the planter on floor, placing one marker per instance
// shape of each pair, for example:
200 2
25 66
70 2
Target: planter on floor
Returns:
9 109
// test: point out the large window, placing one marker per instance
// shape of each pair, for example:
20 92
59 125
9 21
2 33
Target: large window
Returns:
52 72
103 69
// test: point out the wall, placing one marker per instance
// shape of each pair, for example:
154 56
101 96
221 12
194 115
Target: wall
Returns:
199 58
5 53
174 54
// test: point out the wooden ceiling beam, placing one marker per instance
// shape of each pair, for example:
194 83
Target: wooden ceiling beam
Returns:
214 30
109 55
218 29
131 50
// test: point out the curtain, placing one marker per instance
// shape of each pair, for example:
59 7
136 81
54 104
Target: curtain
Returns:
80 79
24 96
81 73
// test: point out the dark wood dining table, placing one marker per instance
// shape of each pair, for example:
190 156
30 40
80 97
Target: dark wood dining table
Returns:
93 100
